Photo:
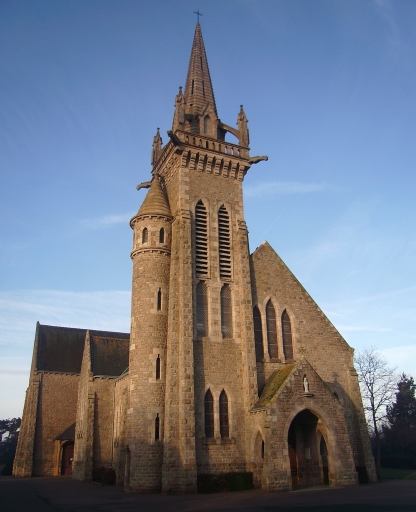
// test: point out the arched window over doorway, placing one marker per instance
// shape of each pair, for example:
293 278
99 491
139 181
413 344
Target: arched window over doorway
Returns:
209 414
224 423
271 330
287 336
258 334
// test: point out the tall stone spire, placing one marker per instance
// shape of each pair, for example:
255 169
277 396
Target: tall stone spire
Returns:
198 88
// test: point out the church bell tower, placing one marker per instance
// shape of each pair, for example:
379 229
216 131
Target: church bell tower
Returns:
192 360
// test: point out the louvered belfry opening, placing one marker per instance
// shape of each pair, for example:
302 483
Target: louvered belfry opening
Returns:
287 336
209 414
226 312
224 423
224 243
201 239
258 334
201 309
271 330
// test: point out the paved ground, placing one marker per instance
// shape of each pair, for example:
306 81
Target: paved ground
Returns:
65 495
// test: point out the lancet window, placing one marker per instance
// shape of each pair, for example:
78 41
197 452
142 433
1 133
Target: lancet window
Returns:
159 300
287 336
158 367
258 334
201 239
226 312
224 244
271 330
157 428
162 236
209 414
145 236
201 309
224 422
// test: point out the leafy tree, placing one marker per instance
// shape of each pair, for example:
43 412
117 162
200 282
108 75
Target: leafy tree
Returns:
8 443
378 384
399 436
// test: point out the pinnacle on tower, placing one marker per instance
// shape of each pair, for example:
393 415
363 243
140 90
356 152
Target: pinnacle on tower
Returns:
198 88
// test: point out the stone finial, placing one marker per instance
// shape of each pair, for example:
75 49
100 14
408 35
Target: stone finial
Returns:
156 147
242 128
179 115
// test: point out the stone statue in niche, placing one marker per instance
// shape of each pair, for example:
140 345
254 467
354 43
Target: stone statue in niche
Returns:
306 385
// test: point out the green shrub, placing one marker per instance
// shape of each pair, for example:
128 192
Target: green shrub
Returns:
225 482
104 476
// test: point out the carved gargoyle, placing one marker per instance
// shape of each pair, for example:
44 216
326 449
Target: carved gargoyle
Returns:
257 159
145 184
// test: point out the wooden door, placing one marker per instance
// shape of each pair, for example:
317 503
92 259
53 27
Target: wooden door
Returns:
67 458
293 465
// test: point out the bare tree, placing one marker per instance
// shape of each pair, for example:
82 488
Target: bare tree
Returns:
378 384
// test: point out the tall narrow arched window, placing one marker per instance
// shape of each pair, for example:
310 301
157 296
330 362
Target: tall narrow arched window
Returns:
157 428
287 336
209 414
224 245
159 300
201 309
224 424
258 334
162 236
226 312
271 330
207 124
201 239
145 236
158 367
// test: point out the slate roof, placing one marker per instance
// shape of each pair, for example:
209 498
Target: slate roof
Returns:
60 349
109 353
155 202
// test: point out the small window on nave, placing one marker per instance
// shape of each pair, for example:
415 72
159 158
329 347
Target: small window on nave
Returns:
258 334
287 336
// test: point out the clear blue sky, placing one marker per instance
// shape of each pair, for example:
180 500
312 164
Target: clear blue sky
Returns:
329 90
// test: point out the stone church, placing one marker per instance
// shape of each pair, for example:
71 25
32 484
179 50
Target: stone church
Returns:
230 366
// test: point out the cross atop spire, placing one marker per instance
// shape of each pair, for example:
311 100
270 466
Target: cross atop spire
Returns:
198 14
198 88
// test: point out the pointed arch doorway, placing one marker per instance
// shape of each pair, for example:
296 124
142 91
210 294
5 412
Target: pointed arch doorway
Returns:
308 451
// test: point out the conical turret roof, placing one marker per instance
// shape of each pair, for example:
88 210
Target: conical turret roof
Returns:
198 88
155 202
